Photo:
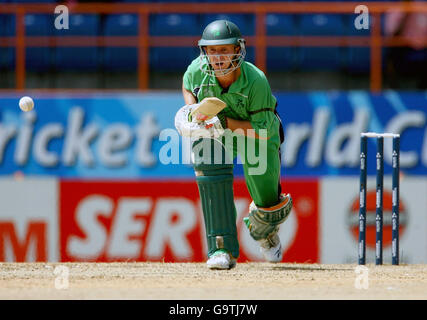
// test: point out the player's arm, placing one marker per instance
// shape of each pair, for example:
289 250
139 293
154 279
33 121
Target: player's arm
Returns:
189 98
234 124
242 126
261 108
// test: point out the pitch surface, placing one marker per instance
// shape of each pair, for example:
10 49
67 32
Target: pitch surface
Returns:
194 281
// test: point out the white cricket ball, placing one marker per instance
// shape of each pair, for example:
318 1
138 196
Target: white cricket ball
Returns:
26 104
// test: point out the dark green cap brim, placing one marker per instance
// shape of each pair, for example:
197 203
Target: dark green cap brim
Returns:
203 42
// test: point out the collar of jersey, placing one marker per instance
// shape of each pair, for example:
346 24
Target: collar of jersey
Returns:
239 83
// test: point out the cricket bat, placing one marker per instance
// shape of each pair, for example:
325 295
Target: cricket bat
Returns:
208 108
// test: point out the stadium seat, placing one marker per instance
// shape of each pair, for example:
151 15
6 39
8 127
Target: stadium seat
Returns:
124 58
358 58
7 29
137 1
280 58
280 24
316 58
321 0
80 58
250 54
33 1
7 23
172 1
418 56
174 25
173 58
228 1
38 58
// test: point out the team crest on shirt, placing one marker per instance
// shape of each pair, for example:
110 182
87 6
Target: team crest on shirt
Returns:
240 106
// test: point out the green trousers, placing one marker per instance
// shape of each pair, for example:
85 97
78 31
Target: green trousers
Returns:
261 163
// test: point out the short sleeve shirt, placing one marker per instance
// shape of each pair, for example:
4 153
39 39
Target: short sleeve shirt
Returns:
248 98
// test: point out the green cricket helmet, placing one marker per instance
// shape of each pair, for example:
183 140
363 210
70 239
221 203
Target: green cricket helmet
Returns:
221 32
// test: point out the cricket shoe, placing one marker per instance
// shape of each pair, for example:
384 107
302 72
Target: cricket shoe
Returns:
271 248
221 260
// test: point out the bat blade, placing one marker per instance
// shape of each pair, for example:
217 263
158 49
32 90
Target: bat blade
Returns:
208 108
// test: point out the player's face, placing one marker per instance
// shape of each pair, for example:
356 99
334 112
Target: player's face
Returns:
221 56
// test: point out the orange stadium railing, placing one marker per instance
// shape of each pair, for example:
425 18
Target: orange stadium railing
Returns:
143 41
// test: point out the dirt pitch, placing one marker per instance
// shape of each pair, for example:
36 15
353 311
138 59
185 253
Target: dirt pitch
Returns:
247 281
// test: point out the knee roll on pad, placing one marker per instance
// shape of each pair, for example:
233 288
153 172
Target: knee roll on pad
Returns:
215 183
262 222
209 154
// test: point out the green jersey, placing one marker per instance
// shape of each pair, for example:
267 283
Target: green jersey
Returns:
248 98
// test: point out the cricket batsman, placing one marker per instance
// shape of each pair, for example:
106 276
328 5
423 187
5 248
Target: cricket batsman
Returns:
220 71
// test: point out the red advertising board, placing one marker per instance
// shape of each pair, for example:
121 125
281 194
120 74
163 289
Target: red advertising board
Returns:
28 219
162 221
